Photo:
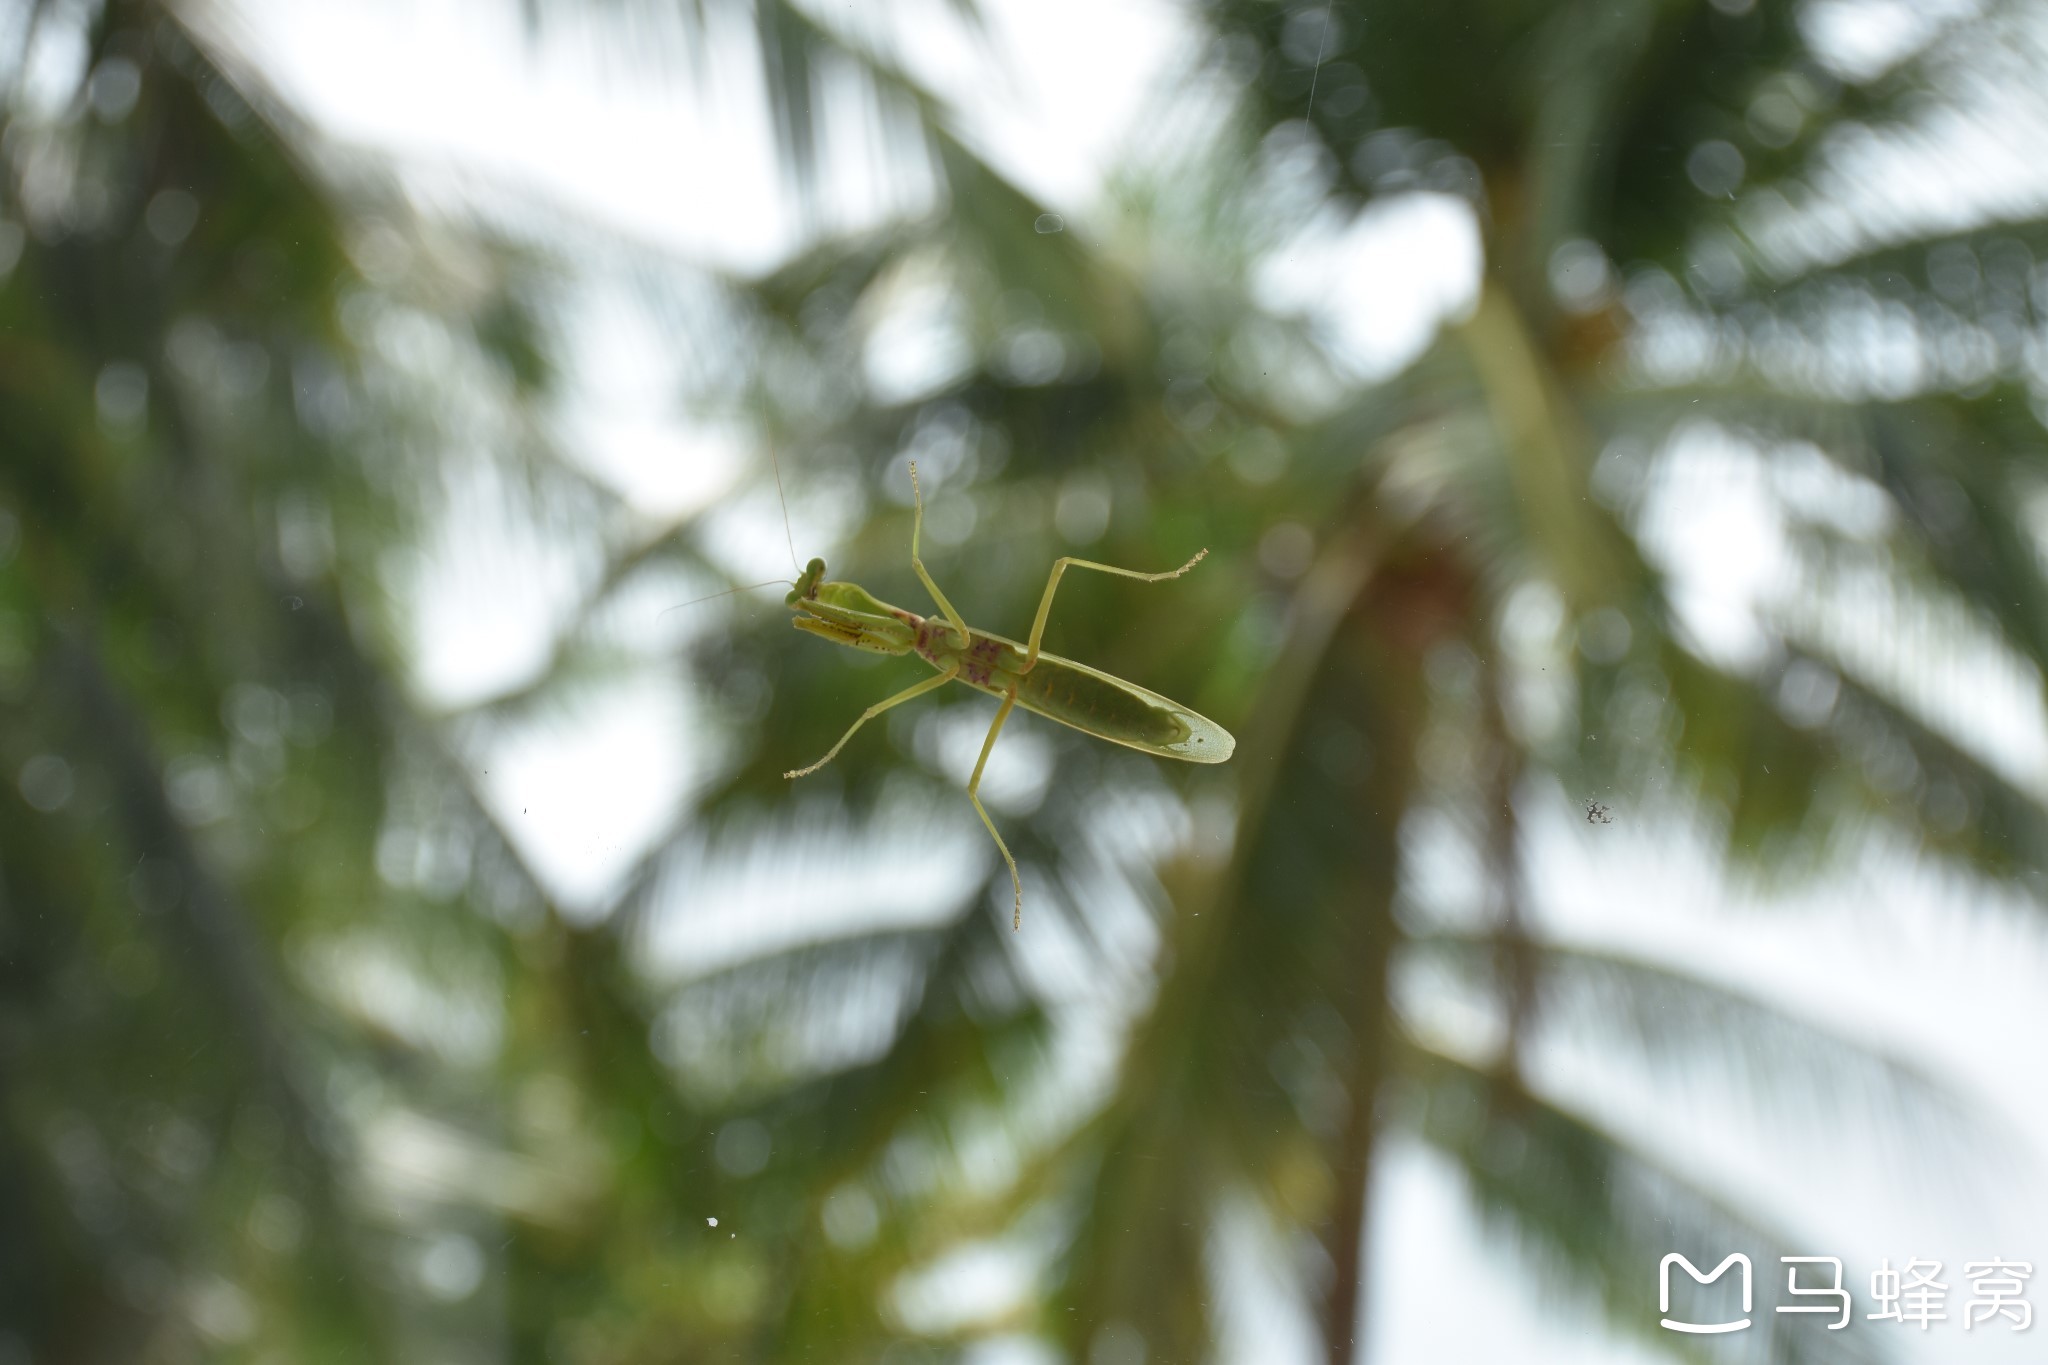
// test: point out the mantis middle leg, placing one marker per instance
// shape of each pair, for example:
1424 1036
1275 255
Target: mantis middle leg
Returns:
953 618
937 680
1061 565
973 794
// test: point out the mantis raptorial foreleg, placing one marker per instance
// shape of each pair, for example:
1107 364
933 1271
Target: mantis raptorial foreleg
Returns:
1061 565
953 618
974 795
937 680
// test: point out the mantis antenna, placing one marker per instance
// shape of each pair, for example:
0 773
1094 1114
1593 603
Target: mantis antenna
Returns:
713 597
787 535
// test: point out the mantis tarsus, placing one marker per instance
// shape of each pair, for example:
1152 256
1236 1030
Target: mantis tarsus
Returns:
1076 695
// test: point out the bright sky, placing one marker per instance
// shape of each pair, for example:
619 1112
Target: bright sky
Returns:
593 128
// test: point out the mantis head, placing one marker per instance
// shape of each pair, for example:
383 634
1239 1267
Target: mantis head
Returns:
806 586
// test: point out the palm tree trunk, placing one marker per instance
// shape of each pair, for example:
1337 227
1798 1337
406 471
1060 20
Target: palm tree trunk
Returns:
1377 665
1344 1236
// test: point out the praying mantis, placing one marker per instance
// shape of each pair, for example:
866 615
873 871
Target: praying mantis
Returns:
1075 695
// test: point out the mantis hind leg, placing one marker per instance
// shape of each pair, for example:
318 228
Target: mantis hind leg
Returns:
1061 565
953 618
974 795
914 690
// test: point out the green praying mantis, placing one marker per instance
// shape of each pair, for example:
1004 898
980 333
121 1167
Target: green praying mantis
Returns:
1088 700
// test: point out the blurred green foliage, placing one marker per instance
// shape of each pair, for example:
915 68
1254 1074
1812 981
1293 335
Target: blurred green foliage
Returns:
241 383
